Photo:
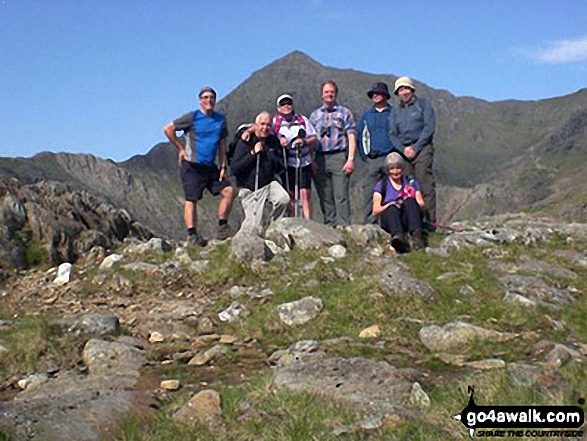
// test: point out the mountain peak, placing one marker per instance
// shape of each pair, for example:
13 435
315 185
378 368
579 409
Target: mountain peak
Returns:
298 56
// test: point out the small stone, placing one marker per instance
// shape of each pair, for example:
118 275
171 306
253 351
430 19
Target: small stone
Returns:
228 339
371 423
558 357
455 360
419 398
63 274
33 381
337 251
206 356
370 332
204 407
156 337
233 312
166 362
466 290
199 266
170 384
205 326
485 365
109 261
341 430
512 297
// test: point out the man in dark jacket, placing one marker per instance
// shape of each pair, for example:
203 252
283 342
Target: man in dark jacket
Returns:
412 130
256 164
374 143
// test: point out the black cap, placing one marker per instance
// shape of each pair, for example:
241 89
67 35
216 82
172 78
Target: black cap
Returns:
379 88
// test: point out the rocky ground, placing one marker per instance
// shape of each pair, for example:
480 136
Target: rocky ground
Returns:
305 333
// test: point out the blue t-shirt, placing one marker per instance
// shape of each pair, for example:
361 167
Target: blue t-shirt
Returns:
408 190
203 134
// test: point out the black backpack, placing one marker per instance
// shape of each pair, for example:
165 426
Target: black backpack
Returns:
232 145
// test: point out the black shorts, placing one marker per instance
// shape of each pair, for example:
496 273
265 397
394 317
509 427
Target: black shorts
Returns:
305 177
196 177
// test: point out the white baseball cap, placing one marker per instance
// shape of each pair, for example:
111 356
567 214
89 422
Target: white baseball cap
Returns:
282 97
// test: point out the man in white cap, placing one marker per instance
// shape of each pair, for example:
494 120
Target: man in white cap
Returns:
412 129
297 137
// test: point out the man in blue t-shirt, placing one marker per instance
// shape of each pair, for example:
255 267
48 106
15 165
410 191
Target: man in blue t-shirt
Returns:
205 136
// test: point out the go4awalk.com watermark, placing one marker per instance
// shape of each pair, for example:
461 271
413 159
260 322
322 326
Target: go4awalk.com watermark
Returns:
522 421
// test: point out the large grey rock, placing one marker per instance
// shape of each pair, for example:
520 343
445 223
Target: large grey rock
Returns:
367 235
535 288
394 278
305 234
367 386
107 358
299 311
247 247
458 336
572 256
99 324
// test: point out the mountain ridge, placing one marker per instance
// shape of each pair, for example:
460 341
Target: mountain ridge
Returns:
477 142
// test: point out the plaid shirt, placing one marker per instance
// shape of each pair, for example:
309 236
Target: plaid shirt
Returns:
331 127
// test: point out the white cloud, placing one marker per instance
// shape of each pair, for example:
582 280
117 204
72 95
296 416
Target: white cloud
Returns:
563 51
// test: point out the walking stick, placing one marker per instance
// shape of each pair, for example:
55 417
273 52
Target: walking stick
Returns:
301 135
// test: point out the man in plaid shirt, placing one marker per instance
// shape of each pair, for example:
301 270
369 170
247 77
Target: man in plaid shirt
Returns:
335 153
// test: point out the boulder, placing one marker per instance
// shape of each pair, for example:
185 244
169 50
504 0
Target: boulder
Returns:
204 408
394 278
458 336
103 357
247 247
97 324
366 386
299 311
302 233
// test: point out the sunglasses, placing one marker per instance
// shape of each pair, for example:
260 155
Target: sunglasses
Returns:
286 103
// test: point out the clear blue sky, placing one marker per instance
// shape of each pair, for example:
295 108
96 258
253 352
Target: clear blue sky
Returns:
104 76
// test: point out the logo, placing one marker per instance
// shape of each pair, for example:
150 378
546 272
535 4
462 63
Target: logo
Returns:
521 420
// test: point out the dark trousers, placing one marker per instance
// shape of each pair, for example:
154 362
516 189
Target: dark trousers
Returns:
399 220
422 170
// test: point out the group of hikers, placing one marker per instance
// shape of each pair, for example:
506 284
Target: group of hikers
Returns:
276 158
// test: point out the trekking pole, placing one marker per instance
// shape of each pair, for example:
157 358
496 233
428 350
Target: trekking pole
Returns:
301 135
256 195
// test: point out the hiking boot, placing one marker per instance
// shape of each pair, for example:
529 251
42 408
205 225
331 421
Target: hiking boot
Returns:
417 241
398 243
429 228
224 232
195 240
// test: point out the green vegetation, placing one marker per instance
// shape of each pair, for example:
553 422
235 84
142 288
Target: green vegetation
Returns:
32 342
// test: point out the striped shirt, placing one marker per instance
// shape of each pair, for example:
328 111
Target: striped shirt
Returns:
332 128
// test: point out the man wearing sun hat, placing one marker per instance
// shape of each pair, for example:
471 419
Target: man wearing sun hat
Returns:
373 142
412 129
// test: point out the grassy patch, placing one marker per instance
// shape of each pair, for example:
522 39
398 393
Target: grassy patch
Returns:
32 341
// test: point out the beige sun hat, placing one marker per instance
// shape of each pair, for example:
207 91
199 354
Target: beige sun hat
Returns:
403 81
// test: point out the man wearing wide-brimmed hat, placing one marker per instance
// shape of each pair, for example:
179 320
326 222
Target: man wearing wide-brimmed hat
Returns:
374 143
412 130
